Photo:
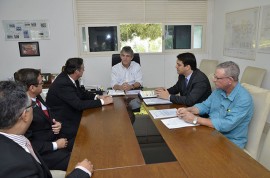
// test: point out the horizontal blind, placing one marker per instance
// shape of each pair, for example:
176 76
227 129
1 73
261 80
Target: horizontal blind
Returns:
140 11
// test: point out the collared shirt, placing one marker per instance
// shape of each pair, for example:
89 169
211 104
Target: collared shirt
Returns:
22 140
45 108
231 114
188 77
19 139
121 74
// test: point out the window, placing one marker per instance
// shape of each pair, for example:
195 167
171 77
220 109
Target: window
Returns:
143 38
180 37
102 39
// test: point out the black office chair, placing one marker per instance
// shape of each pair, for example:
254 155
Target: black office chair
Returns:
116 58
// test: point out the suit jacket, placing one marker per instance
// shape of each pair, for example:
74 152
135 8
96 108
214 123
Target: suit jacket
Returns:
16 162
41 136
197 90
67 102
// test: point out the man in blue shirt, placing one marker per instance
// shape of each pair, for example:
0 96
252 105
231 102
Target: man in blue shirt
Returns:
230 106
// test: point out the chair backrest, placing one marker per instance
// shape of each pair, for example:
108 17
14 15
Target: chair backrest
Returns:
212 84
208 66
264 157
261 100
116 58
253 76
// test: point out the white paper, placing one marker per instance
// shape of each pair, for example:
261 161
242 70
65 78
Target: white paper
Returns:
163 113
175 122
116 92
132 92
154 101
148 94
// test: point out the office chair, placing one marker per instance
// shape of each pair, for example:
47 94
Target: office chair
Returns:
116 58
208 66
253 76
264 157
261 100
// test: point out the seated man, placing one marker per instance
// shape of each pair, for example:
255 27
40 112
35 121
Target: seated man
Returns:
67 99
192 85
230 106
44 129
127 74
18 159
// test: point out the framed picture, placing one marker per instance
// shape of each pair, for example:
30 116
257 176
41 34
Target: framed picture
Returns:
28 49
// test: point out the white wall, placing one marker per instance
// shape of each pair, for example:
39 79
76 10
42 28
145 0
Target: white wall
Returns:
53 52
222 7
158 69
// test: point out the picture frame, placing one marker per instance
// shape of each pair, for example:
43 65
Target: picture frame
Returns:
29 49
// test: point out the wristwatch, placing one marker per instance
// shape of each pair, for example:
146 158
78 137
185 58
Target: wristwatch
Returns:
195 121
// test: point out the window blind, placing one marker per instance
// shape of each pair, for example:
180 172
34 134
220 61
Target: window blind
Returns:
140 11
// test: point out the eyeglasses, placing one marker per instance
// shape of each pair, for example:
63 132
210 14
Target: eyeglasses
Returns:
219 78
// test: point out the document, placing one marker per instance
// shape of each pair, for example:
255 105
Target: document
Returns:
116 92
155 101
148 94
133 92
176 122
163 113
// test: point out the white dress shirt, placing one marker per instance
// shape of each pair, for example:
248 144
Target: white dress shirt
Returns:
121 74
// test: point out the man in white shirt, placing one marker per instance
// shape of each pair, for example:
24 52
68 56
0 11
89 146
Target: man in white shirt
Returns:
127 74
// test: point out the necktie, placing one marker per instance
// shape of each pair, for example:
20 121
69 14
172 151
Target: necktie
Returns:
186 81
45 110
30 148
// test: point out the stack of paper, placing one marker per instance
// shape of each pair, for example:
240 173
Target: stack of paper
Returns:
116 92
148 94
176 122
163 113
155 101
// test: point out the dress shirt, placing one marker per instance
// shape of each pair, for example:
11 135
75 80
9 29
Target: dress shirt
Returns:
231 114
22 140
121 74
45 108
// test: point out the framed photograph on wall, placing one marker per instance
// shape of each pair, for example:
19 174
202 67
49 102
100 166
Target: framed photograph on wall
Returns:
28 49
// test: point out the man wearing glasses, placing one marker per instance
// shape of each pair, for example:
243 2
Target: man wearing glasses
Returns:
44 130
230 106
18 158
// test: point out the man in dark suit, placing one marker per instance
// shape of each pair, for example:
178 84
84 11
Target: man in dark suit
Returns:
44 130
18 159
68 100
192 85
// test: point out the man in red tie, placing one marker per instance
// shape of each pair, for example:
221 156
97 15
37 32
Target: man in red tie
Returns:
18 159
44 130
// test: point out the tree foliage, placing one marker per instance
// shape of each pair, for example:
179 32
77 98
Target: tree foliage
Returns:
144 31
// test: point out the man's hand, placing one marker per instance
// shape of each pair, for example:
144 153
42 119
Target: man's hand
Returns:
61 143
126 86
107 99
56 127
184 114
87 165
162 93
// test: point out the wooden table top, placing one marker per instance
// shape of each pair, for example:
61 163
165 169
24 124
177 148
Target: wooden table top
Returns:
106 137
204 152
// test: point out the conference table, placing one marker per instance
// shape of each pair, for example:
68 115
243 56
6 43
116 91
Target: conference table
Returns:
106 137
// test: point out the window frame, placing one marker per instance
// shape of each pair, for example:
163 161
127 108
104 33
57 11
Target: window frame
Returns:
192 49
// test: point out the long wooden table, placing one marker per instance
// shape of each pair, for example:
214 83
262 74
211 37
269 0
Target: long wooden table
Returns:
106 137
